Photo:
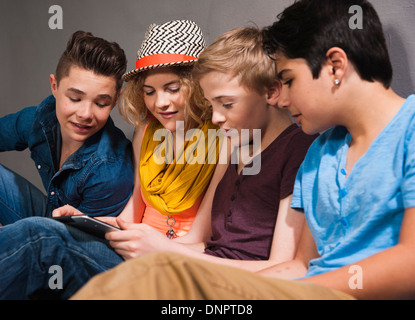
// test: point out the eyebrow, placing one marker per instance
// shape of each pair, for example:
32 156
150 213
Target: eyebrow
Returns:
74 90
282 73
101 96
164 85
220 98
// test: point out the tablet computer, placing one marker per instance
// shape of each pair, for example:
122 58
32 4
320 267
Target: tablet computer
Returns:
88 224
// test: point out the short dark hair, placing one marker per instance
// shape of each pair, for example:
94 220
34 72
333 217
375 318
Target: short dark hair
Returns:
95 54
309 28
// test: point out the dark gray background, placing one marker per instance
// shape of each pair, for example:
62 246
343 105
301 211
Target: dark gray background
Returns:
30 49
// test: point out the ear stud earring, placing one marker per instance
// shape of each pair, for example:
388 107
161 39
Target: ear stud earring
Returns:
336 82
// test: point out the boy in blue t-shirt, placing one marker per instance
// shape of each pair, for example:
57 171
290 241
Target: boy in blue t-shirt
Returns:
357 183
356 186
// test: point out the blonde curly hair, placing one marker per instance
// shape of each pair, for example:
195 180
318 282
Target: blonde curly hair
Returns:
134 110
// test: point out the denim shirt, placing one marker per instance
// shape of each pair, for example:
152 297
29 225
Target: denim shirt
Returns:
97 179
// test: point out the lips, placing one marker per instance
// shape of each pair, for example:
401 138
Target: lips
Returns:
228 132
81 128
168 115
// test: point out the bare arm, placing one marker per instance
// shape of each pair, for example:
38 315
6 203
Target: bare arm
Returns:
286 239
134 209
389 274
287 233
298 266
201 227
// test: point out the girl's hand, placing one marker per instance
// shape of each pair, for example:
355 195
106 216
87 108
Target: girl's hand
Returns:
137 239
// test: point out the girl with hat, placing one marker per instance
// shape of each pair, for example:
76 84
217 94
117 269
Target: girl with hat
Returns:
160 94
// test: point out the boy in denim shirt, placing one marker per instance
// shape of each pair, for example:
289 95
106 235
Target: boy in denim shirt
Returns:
82 158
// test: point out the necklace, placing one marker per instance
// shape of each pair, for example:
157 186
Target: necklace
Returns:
171 222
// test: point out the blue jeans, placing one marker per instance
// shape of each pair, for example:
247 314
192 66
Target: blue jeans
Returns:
43 258
19 198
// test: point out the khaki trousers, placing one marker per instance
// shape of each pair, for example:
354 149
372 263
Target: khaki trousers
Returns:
163 276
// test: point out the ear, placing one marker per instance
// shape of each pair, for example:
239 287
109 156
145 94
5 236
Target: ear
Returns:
273 93
336 64
53 84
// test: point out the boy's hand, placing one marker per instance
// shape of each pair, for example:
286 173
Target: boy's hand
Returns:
66 210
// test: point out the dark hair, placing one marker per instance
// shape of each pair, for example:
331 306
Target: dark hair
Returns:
309 28
95 54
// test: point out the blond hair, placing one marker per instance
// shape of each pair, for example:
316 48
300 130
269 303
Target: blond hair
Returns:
239 52
134 110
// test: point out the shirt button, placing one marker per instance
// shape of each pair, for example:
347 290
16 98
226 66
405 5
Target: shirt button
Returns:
343 193
343 172
52 193
343 221
39 166
233 197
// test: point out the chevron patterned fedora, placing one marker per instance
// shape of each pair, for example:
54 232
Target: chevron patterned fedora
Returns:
176 42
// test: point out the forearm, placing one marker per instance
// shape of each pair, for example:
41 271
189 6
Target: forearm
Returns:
197 250
389 274
288 270
249 265
195 247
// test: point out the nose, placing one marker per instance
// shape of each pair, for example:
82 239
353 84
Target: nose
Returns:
218 118
162 100
283 99
84 111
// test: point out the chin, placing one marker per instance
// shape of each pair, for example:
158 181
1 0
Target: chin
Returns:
170 127
174 126
80 139
311 131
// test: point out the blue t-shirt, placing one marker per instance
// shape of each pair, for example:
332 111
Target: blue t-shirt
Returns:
355 217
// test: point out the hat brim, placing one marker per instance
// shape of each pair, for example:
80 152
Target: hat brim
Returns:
127 76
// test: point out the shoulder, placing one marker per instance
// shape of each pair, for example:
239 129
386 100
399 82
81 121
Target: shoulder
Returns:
293 142
113 145
409 115
41 117
40 113
301 139
326 144
46 108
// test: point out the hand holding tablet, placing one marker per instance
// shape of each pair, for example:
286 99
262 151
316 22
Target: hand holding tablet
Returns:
88 224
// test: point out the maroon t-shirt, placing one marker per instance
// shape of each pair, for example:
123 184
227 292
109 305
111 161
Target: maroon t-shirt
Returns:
245 207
